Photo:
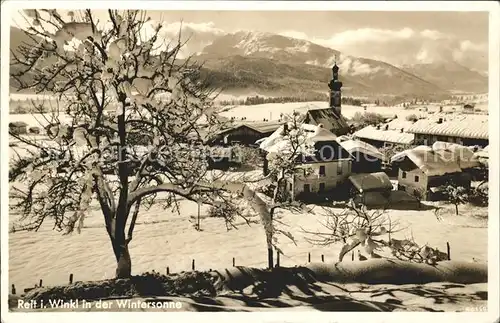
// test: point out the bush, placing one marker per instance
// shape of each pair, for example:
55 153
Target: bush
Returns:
34 130
227 211
368 118
479 195
249 156
412 117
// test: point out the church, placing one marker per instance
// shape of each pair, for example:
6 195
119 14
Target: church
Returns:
331 118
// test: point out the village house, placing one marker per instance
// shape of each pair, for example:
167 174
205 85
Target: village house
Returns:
483 155
325 168
370 188
366 158
245 133
423 169
385 135
18 127
467 130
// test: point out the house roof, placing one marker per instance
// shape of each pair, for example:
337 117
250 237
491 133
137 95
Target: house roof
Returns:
430 162
470 126
277 142
329 119
484 153
393 136
464 155
371 182
357 146
264 127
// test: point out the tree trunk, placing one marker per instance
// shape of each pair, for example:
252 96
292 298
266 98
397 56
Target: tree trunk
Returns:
270 257
123 260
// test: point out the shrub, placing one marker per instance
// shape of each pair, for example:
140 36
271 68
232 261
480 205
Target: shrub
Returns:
479 195
368 118
34 130
412 117
249 156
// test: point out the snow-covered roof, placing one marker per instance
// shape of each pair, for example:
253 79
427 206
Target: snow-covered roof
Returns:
392 136
465 156
328 118
464 126
484 153
357 146
442 158
371 182
278 142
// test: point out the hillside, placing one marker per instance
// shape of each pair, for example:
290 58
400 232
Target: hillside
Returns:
269 76
451 76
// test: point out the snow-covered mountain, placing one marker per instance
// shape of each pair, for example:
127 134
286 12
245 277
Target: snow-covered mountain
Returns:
279 61
272 46
270 64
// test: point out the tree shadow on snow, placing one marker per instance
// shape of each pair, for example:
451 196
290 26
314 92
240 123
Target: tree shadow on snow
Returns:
299 286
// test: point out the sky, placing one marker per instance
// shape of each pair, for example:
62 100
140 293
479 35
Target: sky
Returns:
393 36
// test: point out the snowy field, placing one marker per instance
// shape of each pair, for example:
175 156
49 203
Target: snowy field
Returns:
270 111
163 238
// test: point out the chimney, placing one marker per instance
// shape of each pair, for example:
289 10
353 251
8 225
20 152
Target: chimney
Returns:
402 130
440 120
378 127
386 127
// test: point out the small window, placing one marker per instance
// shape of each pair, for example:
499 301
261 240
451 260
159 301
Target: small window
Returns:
416 179
307 188
321 187
322 171
404 175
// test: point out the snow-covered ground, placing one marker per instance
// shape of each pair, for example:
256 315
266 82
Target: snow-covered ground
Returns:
272 111
163 238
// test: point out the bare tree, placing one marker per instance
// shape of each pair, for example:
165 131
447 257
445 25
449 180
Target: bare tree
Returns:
134 130
353 226
285 165
135 111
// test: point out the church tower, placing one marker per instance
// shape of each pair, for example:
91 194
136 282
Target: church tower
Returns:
335 91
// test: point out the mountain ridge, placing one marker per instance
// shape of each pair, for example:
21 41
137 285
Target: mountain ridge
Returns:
273 64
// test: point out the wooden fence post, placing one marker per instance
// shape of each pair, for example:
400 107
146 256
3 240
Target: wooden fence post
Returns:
71 278
448 250
13 289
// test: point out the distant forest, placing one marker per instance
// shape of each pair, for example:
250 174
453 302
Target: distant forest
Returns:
253 100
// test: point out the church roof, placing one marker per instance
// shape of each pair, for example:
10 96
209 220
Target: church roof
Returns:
329 119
